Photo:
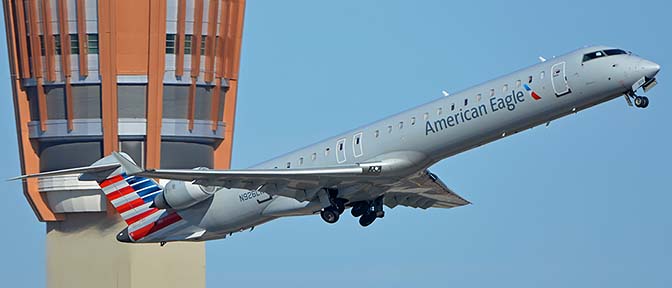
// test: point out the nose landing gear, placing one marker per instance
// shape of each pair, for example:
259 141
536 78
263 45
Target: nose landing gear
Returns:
640 101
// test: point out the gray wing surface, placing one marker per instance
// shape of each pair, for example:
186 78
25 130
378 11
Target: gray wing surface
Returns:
423 191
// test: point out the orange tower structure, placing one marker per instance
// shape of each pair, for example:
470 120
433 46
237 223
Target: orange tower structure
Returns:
156 79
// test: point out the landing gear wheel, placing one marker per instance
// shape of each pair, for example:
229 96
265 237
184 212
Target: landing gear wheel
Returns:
641 101
367 219
359 209
330 215
646 102
340 205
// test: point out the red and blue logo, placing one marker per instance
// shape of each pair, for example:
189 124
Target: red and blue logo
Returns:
534 95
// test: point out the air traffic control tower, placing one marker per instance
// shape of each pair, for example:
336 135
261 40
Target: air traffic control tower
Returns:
156 79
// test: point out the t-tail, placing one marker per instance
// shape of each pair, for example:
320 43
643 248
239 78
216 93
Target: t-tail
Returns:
132 196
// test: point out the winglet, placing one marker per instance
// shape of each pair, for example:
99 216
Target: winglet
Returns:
127 165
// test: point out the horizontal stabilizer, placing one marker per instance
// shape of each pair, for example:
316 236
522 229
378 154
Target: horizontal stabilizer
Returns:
96 168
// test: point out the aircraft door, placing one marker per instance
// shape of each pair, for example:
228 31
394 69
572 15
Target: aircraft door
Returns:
559 79
340 151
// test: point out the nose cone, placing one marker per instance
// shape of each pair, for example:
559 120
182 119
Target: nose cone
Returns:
648 68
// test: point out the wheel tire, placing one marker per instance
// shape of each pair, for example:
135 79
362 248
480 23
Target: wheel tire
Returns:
645 102
340 205
358 210
329 215
367 219
639 101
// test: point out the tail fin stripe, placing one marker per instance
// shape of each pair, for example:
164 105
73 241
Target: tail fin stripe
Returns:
150 197
111 180
140 216
124 199
111 188
140 184
120 193
155 226
130 205
136 211
147 190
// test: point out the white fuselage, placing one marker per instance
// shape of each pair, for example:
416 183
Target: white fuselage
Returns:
419 137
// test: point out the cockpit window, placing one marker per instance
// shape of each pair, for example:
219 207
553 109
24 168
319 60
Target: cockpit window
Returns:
598 54
592 55
611 52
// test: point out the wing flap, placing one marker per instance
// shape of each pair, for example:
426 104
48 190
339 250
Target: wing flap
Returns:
423 191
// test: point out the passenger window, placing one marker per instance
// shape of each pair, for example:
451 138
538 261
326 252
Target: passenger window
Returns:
542 74
389 129
478 97
301 161
465 101
505 88
492 92
314 156
529 80
377 133
452 107
412 120
289 164
439 111
517 83
426 116
326 151
401 125
340 146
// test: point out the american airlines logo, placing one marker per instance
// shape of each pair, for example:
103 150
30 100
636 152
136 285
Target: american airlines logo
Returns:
534 95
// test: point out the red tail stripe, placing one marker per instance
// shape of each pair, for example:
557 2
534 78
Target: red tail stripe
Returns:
156 226
130 205
140 216
119 193
138 234
535 96
110 181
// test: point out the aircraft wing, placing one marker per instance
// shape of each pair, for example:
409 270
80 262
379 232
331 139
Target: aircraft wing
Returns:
423 191
301 184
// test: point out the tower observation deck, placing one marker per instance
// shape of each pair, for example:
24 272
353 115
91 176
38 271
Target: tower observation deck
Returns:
156 79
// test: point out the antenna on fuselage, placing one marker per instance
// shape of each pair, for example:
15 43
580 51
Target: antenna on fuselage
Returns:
445 93
542 59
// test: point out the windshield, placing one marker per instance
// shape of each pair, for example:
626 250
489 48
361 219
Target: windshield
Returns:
598 54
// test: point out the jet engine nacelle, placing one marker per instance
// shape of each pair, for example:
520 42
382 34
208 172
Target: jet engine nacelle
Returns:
181 194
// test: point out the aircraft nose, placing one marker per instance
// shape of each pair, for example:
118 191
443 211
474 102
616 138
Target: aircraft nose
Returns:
648 68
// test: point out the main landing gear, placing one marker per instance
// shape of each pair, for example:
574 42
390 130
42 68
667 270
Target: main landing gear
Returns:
332 212
368 211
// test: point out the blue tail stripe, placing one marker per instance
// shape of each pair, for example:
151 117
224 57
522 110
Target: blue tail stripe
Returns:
132 180
148 190
150 197
140 185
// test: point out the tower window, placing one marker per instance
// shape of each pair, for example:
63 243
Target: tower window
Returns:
187 44
92 40
170 44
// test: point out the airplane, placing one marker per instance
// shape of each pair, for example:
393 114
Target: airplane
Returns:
381 164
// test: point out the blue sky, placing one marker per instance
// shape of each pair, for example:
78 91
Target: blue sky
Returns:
584 202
